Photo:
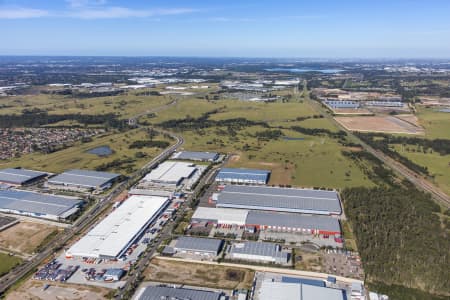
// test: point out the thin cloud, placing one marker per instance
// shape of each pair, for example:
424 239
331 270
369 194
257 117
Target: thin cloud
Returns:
277 18
123 12
22 13
85 3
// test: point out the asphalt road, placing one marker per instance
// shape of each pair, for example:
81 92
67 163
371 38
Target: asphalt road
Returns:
87 218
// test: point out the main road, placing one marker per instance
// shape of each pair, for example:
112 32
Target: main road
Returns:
86 219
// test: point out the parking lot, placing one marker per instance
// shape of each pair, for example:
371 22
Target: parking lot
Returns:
298 238
343 263
90 270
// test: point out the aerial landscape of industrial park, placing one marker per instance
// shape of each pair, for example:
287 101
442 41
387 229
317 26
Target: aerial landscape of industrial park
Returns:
178 151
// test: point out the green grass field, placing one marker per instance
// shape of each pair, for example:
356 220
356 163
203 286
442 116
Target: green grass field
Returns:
124 105
77 157
314 161
8 262
436 124
438 165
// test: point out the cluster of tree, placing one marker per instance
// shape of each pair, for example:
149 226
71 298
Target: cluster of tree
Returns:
116 164
400 237
267 135
149 144
372 167
320 131
36 118
442 146
202 122
383 145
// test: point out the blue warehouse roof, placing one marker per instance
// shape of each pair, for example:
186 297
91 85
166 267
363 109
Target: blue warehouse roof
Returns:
231 174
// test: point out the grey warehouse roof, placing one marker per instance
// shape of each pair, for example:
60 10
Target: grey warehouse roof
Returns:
36 203
19 176
89 179
259 248
279 199
194 155
325 223
199 244
160 292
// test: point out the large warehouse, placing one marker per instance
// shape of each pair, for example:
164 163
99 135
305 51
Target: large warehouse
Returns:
113 235
19 177
196 156
38 205
273 290
250 176
171 173
82 180
279 199
258 251
265 220
198 246
165 292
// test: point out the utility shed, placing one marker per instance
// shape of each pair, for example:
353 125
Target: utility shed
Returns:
259 251
251 176
20 177
293 222
83 180
162 292
280 199
196 156
200 246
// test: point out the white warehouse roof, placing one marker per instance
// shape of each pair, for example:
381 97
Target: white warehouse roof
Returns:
221 215
171 172
113 235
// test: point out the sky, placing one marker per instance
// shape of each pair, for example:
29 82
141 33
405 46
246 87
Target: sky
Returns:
230 28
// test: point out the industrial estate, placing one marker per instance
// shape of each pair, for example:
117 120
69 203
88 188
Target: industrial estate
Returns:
227 180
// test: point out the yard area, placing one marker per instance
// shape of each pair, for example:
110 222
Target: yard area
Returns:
25 237
199 274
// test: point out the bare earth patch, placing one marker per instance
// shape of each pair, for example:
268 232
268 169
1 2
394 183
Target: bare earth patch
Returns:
33 289
198 274
388 124
25 236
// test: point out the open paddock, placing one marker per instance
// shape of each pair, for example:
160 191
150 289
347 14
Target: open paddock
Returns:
386 124
25 237
198 274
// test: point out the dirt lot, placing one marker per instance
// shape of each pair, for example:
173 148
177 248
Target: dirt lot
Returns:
25 236
33 290
198 274
386 124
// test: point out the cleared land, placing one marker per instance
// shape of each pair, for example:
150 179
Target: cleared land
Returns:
33 289
8 262
198 274
386 124
25 237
